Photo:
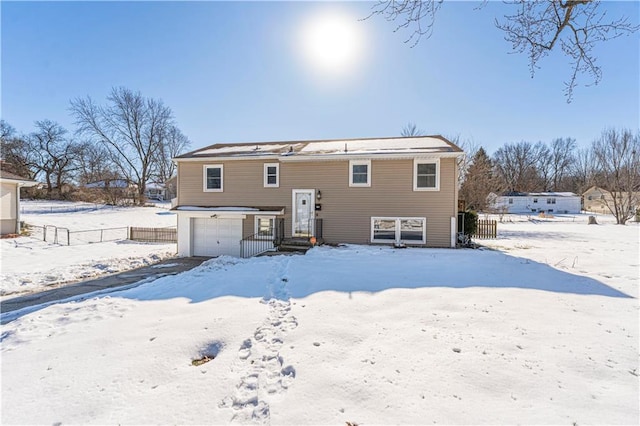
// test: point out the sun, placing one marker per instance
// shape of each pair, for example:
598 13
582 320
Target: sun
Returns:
332 42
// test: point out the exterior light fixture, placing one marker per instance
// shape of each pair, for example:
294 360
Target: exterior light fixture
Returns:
318 194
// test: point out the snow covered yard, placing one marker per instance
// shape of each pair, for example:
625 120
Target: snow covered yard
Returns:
29 264
541 330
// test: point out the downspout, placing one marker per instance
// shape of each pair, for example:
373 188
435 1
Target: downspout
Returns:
18 208
454 218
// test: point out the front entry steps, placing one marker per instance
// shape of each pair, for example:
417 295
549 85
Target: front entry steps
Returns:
297 245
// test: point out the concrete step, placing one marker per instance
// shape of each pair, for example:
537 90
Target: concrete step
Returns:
294 248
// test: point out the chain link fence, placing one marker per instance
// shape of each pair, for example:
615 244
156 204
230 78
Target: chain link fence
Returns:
29 208
63 236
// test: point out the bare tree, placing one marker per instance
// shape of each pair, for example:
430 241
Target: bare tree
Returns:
52 154
464 161
561 158
583 170
617 153
516 167
411 130
94 164
543 166
131 127
13 151
174 143
536 28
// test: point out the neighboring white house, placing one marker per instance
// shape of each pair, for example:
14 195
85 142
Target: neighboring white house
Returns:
10 185
534 202
155 191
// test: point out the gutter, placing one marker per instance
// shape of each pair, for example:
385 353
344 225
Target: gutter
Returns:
325 157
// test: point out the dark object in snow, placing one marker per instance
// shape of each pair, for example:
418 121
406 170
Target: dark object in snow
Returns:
592 220
209 353
457 350
204 359
316 343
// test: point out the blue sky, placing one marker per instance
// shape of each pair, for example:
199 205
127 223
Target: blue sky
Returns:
236 72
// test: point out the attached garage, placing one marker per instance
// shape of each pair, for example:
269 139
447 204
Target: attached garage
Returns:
215 231
216 237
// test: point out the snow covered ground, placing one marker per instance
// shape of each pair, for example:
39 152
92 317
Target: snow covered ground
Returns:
543 329
28 264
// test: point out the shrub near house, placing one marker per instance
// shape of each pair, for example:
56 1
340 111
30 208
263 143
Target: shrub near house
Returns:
362 191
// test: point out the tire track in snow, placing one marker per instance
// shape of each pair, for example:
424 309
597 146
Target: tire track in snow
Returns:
264 372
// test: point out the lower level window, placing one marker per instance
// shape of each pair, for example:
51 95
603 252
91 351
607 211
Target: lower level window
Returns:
264 227
409 230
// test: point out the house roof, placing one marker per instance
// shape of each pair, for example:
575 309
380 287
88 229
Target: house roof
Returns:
110 183
232 209
7 176
538 194
155 185
333 148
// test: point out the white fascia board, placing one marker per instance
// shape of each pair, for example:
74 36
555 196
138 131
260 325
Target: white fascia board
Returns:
328 157
370 156
25 183
227 213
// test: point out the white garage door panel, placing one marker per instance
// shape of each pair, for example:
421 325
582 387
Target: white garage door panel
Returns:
216 237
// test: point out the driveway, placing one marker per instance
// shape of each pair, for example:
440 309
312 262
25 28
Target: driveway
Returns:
171 266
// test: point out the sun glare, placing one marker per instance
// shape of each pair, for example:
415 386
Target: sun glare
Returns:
332 43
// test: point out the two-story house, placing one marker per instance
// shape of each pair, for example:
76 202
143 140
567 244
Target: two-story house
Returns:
599 200
362 191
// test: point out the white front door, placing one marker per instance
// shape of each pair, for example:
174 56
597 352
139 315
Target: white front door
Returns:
303 212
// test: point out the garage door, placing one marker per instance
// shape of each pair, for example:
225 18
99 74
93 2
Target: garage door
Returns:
215 237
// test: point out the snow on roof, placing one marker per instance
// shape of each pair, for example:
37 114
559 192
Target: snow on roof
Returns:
278 209
243 150
5 175
155 185
216 209
114 183
370 146
538 194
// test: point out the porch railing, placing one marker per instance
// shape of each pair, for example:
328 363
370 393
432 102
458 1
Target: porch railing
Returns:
263 241
256 244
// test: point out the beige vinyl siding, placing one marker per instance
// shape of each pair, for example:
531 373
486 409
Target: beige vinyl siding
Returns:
346 211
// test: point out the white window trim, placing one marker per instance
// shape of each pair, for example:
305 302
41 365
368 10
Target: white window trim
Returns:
272 185
360 163
256 228
204 177
417 161
398 221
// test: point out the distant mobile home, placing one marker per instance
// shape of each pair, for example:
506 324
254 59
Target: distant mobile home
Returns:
534 202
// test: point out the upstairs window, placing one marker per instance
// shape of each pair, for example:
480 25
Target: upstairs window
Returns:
360 173
535 200
271 175
551 200
510 200
426 175
213 178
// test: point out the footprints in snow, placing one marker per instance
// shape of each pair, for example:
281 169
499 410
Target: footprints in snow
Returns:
265 373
